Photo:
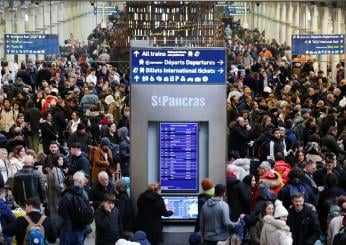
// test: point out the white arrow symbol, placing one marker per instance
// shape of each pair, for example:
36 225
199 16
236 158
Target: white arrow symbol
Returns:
220 70
136 78
220 62
136 53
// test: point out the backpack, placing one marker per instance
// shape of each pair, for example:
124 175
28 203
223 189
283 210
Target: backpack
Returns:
340 238
293 189
23 186
34 234
81 213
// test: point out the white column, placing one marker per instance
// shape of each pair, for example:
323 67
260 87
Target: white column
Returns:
296 16
68 27
314 19
337 22
60 24
46 17
31 25
278 24
2 31
54 18
9 28
283 28
40 24
289 24
325 30
21 28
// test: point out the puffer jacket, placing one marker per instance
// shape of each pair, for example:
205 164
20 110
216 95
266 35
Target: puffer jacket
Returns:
282 168
273 179
7 119
275 232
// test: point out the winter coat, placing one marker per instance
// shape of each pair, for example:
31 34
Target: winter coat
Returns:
49 133
14 165
202 198
275 232
304 226
87 101
237 197
114 109
334 228
32 116
39 185
283 168
150 209
273 179
59 117
80 163
330 142
100 163
291 138
97 193
214 221
124 154
108 226
83 139
124 205
18 228
55 188
296 184
238 140
7 119
327 198
255 231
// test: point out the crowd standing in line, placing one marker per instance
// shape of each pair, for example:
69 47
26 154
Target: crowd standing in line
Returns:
286 178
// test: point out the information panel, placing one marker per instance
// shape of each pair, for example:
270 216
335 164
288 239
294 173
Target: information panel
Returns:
183 207
179 157
237 10
178 66
318 44
31 44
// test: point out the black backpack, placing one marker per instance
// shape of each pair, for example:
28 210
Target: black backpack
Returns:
23 186
340 238
80 211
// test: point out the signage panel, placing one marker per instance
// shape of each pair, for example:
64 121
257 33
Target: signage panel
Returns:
179 157
178 66
237 10
318 44
31 44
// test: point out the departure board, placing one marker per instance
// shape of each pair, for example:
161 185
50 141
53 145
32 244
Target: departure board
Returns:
179 157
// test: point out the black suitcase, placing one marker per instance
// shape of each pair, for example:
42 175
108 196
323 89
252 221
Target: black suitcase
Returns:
23 186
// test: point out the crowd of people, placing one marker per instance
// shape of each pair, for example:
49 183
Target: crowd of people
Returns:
65 145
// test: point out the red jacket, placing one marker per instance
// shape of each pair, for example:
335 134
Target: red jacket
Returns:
283 168
273 179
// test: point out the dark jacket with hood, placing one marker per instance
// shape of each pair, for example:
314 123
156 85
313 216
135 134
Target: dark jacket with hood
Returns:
296 185
97 193
304 226
59 117
238 140
150 209
237 196
108 226
64 211
80 163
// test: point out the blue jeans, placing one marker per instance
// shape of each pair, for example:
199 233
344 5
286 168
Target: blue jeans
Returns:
72 238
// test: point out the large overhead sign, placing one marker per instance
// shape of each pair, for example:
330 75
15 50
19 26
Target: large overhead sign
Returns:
318 44
31 44
237 10
107 10
178 66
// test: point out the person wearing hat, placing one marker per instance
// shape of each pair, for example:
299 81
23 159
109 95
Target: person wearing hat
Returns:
195 239
215 220
270 177
338 222
79 160
140 237
208 192
124 150
103 160
108 222
275 231
81 137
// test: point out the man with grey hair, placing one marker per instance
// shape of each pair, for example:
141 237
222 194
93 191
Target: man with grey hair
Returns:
29 182
98 190
269 176
75 212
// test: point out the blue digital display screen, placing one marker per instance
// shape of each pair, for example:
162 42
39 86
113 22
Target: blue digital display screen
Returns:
178 66
179 157
31 44
318 44
183 207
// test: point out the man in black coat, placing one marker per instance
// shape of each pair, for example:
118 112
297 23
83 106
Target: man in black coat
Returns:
108 222
79 160
98 191
303 222
18 227
60 120
239 138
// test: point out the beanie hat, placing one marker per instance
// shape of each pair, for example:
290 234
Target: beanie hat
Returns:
265 165
105 141
140 237
123 132
220 189
109 99
207 184
280 210
195 239
80 126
